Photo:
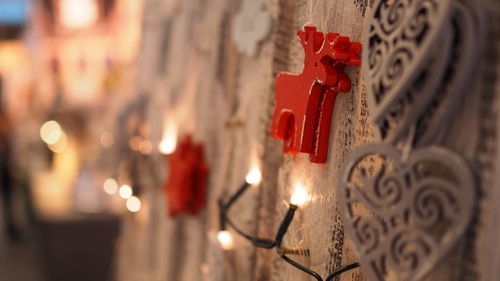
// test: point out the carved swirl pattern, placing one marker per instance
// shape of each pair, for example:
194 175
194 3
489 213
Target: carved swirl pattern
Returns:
419 58
399 35
467 32
404 216
408 48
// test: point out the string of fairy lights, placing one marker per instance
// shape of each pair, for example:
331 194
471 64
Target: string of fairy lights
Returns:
52 134
297 200
140 144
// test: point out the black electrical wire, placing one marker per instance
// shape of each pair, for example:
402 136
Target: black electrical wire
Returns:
301 267
237 195
285 224
257 242
279 238
224 219
342 270
269 244
315 274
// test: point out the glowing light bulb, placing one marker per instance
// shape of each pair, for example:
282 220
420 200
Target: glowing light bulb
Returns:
51 132
169 138
300 195
110 186
254 176
225 239
78 13
125 191
167 147
133 204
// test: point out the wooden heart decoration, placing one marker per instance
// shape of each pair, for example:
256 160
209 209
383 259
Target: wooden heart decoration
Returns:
467 35
403 216
407 48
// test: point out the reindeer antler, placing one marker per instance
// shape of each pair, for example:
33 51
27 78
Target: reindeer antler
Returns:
310 39
341 49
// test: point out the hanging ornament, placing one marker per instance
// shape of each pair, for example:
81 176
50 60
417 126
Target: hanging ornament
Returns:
406 55
405 211
419 58
187 178
466 40
252 24
404 215
305 102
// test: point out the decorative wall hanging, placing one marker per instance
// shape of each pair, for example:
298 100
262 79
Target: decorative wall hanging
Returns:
404 211
252 24
305 102
405 215
467 37
419 57
187 177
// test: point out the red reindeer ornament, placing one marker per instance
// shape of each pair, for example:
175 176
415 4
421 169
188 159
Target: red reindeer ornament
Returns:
188 172
305 102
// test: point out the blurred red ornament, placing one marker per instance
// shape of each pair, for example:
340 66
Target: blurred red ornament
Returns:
305 102
187 178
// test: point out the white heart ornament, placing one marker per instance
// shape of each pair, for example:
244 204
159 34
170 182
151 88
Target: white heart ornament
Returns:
404 216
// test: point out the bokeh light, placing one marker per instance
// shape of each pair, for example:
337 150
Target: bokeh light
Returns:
78 13
107 139
51 132
225 239
125 191
110 186
133 204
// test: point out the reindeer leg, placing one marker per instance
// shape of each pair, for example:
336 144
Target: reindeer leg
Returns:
324 120
290 137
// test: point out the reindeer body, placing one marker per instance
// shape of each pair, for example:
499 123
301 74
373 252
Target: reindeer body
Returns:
305 102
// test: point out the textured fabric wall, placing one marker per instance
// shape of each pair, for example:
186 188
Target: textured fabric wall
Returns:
191 65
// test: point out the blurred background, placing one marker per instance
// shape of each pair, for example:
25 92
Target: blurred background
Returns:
67 71
95 94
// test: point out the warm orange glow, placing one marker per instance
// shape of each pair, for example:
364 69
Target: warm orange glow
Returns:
51 132
60 145
78 13
169 139
205 269
110 186
13 56
225 239
145 147
125 191
254 176
53 190
300 195
135 142
133 204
